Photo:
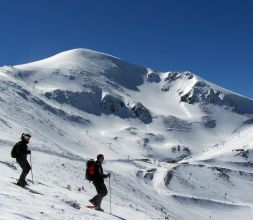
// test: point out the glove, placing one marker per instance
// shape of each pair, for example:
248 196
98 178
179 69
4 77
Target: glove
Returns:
28 152
108 175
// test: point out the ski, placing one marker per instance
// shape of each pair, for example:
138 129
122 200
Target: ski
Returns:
28 189
21 186
91 206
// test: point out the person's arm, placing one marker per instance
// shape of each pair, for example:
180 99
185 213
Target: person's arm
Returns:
28 151
104 175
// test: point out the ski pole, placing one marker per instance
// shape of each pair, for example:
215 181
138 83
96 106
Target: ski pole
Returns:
31 167
110 195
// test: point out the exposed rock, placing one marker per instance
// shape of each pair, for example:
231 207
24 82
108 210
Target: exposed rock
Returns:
204 94
172 76
142 113
153 77
88 101
114 105
208 122
178 153
168 177
248 122
174 123
147 175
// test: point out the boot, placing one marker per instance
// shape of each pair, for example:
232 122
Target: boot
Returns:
21 183
99 209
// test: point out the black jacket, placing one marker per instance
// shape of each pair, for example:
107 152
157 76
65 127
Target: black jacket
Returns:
22 149
99 174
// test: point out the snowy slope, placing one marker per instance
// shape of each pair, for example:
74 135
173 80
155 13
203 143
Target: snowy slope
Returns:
178 146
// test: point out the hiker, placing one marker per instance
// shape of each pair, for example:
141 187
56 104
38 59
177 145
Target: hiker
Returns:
21 152
99 184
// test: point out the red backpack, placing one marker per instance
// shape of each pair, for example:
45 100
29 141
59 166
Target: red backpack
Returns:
90 170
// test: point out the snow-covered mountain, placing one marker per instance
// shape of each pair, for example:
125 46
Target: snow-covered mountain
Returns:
178 146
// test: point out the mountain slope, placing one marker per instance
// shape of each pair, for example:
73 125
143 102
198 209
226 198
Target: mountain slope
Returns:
178 146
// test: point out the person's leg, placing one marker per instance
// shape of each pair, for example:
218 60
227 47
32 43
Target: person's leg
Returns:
25 170
94 199
101 192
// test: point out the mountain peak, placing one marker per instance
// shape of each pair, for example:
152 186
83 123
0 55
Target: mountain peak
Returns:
80 53
82 70
74 56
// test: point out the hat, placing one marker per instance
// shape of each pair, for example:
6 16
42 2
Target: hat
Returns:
100 156
26 136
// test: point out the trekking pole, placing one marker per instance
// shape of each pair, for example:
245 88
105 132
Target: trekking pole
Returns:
110 195
31 167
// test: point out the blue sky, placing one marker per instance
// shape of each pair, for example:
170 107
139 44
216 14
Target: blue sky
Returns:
211 38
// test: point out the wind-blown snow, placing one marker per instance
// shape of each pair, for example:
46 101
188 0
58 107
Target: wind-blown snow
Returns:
178 147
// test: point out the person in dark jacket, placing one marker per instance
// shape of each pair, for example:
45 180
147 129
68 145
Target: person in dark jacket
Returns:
21 156
99 184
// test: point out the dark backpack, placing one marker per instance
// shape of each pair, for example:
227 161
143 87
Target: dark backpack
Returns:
90 170
14 151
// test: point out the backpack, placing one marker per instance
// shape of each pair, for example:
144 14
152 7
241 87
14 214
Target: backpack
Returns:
13 151
90 170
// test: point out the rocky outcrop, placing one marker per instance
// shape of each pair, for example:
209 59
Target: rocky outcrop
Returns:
153 77
178 153
142 113
111 104
204 94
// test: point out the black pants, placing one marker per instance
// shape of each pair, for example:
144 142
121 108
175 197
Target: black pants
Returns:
101 193
25 169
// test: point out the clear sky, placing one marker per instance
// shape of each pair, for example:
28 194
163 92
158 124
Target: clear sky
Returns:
211 38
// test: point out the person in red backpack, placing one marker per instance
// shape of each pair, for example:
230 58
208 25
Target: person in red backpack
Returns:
99 184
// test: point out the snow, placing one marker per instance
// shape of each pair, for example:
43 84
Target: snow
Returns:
189 161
